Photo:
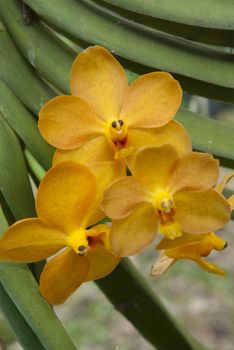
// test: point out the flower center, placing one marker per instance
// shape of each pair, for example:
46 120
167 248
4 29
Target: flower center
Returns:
117 132
82 241
164 203
79 243
165 209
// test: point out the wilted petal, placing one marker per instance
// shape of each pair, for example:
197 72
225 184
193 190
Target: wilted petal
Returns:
62 276
194 172
67 122
133 233
65 195
152 100
161 265
122 197
199 212
99 79
30 240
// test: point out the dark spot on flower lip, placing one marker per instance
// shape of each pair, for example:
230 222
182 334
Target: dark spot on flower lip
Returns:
114 124
82 248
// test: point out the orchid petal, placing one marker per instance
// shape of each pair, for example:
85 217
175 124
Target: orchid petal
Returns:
151 101
222 184
102 262
95 150
199 212
194 172
133 233
62 275
67 122
30 240
172 133
231 202
64 196
152 166
210 267
106 173
122 197
99 79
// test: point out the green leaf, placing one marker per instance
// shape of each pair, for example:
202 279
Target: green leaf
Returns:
19 326
22 288
34 166
24 124
38 39
14 181
38 45
25 84
130 294
203 13
190 32
160 51
209 135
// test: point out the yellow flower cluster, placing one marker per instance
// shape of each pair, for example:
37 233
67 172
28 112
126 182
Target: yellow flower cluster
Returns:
104 129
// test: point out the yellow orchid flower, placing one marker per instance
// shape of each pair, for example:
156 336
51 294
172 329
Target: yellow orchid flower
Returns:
105 118
190 246
67 207
166 193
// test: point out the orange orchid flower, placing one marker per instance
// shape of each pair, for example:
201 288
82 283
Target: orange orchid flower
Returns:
165 193
192 246
67 205
105 118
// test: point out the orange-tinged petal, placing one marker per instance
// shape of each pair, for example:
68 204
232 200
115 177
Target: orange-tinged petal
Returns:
210 267
222 184
190 251
122 197
231 202
102 262
62 275
65 195
161 265
67 122
30 240
95 150
173 133
152 100
106 173
152 166
194 172
195 252
190 238
199 212
99 79
133 233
